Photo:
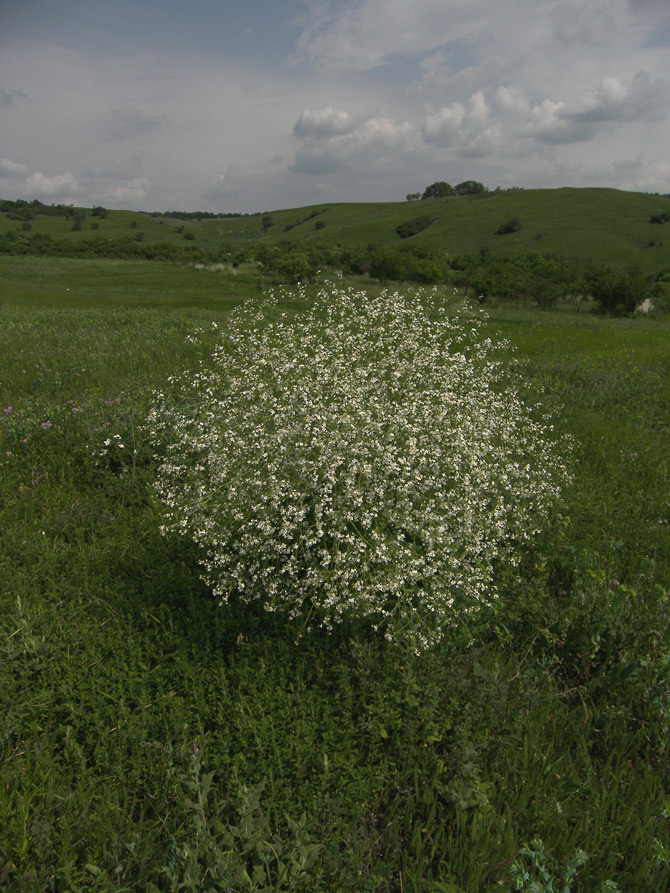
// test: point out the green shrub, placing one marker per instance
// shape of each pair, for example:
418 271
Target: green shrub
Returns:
412 227
616 291
512 226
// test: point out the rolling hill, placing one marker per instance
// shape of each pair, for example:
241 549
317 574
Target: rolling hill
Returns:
605 226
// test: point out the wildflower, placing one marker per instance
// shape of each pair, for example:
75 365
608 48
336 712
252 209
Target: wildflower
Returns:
8 410
368 457
46 424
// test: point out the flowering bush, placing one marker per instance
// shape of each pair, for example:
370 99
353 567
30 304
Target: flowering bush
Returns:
368 457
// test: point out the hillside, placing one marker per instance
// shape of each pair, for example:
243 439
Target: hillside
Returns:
605 226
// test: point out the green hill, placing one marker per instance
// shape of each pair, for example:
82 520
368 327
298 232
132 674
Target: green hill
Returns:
605 226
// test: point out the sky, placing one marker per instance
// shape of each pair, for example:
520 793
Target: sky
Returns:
255 105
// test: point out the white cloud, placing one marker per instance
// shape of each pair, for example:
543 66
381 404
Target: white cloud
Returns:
467 128
332 140
364 34
9 168
610 100
477 127
61 185
225 185
325 123
126 192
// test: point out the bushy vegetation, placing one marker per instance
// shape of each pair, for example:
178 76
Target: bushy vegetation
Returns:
412 227
367 458
511 226
150 740
520 269
13 242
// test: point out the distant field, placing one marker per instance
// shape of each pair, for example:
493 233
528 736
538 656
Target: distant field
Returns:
606 226
84 283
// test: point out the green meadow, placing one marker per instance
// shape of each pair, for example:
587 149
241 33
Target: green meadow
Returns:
151 740
603 226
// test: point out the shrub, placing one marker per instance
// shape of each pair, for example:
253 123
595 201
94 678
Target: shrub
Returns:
512 226
412 227
370 457
618 291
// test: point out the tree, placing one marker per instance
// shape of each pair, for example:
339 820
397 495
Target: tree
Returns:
439 189
292 267
387 263
470 187
617 291
267 222
413 196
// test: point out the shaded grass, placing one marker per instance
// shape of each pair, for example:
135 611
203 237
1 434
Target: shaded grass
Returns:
122 685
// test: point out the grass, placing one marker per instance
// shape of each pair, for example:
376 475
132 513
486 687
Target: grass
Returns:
343 762
605 226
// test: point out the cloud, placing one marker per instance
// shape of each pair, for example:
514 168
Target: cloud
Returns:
332 140
325 123
129 191
611 100
129 168
226 185
479 127
131 123
9 97
60 185
574 23
657 7
468 128
10 168
364 34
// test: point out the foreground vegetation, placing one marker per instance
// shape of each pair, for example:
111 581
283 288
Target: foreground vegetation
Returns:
151 740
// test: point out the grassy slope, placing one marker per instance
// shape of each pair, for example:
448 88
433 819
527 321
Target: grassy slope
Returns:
413 774
603 225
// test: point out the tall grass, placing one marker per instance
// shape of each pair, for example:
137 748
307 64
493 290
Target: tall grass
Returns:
151 740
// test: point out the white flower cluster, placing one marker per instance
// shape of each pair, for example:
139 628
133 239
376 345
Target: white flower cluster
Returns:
370 457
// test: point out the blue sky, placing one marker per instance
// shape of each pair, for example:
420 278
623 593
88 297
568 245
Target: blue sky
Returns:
252 105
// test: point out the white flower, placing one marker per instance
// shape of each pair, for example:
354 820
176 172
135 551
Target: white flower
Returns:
370 456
